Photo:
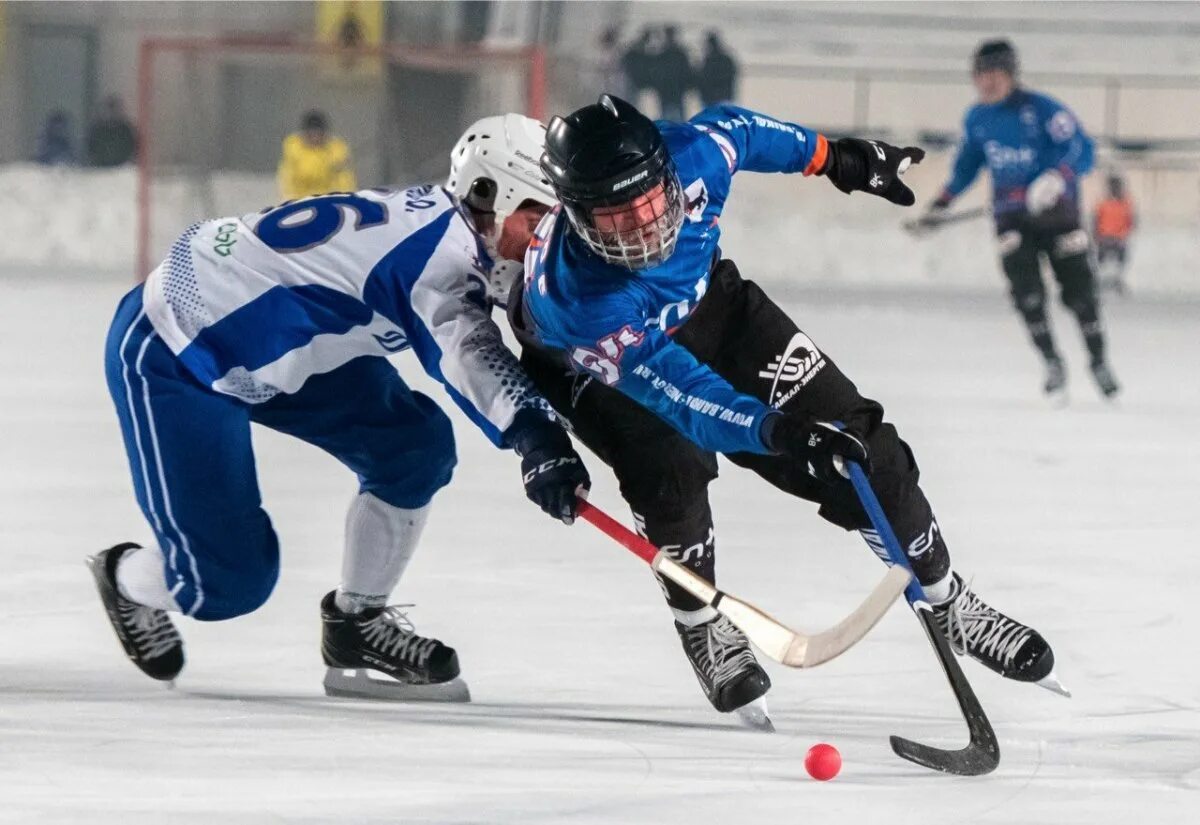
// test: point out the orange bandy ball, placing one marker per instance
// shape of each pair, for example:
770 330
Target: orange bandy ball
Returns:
823 762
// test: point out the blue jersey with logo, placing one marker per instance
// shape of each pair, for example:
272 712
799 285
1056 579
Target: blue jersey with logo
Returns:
616 325
1019 138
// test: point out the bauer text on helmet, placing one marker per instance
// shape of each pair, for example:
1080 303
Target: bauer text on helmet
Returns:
612 173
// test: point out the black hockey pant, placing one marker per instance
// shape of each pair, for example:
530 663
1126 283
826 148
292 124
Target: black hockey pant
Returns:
748 340
1022 243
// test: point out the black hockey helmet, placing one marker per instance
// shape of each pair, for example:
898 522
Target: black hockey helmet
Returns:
609 158
995 54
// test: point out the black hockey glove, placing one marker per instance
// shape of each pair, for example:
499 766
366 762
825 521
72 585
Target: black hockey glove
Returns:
550 468
815 443
872 166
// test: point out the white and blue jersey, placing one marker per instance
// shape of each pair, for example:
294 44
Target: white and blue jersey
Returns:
615 324
254 306
1018 139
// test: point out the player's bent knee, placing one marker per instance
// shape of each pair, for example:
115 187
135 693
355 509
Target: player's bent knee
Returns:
411 476
889 452
238 592
667 480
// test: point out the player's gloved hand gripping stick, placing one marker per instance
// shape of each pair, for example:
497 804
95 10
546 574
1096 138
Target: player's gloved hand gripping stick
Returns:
775 639
982 753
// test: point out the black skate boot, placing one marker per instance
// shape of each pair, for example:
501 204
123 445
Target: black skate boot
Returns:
383 642
1105 381
727 670
999 643
147 633
1055 386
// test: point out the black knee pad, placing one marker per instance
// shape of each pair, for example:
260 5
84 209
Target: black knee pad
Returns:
666 478
894 475
1077 284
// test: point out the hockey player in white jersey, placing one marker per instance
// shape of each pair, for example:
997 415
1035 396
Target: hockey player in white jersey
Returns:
286 318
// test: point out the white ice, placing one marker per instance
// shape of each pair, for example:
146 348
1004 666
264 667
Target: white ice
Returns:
1082 521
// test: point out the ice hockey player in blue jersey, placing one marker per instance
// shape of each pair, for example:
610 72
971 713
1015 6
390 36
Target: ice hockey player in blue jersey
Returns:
1036 151
286 318
639 331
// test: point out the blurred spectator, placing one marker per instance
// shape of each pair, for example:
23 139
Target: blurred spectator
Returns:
55 146
717 75
1113 225
671 75
611 70
636 63
314 161
111 140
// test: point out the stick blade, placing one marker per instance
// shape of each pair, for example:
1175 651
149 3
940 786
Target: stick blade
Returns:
976 759
831 643
982 753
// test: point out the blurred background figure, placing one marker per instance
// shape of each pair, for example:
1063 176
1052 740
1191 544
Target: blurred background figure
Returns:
716 77
1113 224
314 161
671 75
1036 151
56 146
111 140
611 75
637 63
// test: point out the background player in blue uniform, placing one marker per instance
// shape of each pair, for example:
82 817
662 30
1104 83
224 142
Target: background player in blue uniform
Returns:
1036 151
285 318
641 333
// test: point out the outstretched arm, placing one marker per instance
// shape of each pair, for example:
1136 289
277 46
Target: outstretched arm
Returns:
668 380
758 143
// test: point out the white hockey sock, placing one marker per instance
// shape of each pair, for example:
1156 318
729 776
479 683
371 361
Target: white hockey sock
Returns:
140 578
380 540
942 590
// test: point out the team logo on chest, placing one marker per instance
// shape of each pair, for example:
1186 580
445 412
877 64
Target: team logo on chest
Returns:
696 196
792 370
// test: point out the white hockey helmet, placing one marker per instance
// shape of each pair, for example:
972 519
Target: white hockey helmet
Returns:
494 168
506 150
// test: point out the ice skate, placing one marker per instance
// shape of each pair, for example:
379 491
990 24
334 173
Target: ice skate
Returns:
727 670
997 642
147 633
377 654
1105 381
1055 385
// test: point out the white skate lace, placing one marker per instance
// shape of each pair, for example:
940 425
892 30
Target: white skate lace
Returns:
721 650
149 628
393 633
973 626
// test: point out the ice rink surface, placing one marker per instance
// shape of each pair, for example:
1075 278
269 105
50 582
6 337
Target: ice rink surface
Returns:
1081 521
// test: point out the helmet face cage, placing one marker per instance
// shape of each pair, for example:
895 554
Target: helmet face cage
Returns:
634 243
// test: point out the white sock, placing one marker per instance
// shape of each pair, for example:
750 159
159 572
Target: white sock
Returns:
380 540
940 591
140 578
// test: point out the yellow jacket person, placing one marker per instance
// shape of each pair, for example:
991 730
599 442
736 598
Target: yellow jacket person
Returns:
314 161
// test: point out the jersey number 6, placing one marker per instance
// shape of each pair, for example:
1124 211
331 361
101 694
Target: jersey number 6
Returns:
303 224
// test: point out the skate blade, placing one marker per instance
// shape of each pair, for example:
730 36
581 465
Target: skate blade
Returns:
1050 682
1058 400
754 716
361 683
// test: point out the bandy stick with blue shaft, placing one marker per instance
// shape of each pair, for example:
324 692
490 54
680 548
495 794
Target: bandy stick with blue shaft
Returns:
982 753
